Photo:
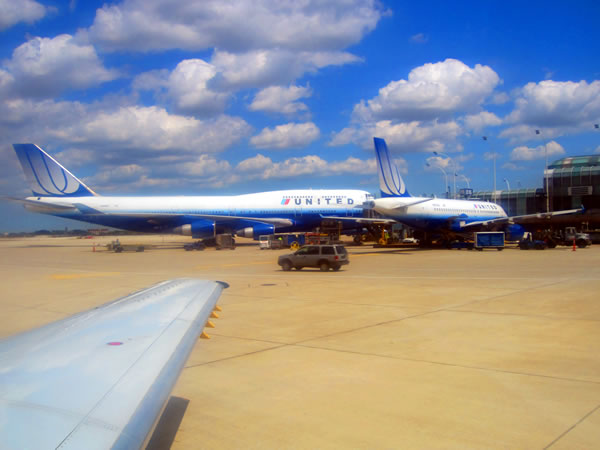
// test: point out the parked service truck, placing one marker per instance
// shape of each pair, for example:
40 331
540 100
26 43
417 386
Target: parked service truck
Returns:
567 236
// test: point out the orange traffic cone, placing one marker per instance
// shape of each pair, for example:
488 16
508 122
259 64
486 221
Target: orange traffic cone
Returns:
574 246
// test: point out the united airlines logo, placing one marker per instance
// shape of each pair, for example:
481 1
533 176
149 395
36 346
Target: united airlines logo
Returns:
45 175
390 181
309 200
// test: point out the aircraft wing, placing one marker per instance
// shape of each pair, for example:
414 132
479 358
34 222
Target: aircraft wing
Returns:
100 379
536 218
46 207
370 205
222 219
361 219
406 205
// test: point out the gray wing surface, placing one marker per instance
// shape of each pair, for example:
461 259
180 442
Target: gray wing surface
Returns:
536 218
100 379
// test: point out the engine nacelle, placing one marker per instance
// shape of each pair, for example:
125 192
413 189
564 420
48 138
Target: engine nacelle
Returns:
197 230
514 232
255 231
458 223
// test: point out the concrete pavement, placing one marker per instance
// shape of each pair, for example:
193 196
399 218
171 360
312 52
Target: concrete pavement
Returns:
403 348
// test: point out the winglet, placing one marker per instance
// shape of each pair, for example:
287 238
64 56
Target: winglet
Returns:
46 176
391 183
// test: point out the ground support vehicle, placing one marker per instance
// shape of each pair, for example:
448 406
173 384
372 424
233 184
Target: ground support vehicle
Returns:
225 241
529 243
277 241
324 257
198 245
459 245
317 238
489 239
567 237
117 247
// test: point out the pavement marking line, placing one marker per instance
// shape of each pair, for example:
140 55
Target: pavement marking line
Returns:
536 316
74 276
461 366
262 350
215 266
572 427
448 308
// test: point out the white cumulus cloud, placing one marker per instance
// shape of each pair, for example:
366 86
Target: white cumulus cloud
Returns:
477 122
279 99
188 87
524 153
149 25
431 91
13 12
290 135
403 136
267 67
554 103
420 114
153 128
555 107
47 66
263 167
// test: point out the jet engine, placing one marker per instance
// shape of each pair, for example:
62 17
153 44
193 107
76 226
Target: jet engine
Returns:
255 231
198 230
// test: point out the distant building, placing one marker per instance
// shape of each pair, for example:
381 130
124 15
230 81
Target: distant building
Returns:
572 182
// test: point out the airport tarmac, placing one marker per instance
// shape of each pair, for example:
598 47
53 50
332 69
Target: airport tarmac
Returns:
403 348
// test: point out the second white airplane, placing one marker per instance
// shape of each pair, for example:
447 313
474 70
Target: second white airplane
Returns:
440 216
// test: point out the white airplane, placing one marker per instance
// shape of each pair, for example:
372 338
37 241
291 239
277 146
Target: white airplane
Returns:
56 191
442 216
100 379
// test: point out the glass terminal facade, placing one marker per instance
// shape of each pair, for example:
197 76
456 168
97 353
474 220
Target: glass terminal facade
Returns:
572 182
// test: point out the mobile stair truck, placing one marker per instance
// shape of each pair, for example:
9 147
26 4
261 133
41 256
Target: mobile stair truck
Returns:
489 239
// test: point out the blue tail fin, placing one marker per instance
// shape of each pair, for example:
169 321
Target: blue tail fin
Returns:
391 183
46 177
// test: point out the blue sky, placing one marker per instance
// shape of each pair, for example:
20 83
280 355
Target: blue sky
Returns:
212 97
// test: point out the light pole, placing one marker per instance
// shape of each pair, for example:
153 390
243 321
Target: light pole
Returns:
454 164
507 184
494 157
466 179
546 175
445 177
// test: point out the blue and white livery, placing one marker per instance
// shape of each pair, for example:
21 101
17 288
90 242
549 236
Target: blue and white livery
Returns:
60 193
442 216
391 183
46 176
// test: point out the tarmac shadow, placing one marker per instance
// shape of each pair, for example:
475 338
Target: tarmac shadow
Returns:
168 424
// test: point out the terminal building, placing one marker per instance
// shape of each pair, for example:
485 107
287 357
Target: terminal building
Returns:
571 183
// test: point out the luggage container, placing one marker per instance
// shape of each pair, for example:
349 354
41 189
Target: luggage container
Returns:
489 239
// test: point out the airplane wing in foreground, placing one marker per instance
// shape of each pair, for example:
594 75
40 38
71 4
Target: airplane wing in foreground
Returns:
101 378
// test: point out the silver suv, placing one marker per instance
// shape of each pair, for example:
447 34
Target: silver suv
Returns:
322 256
